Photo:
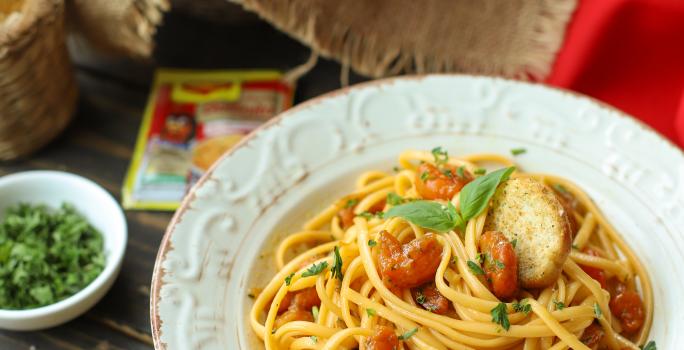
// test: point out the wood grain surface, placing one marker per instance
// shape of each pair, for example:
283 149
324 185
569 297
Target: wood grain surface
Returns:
99 142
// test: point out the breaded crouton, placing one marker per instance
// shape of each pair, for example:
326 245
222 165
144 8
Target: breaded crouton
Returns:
527 211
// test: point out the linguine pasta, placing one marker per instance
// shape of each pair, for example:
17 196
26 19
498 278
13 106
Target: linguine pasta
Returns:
339 269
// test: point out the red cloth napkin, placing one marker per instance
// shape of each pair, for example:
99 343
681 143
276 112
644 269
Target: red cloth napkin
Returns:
630 54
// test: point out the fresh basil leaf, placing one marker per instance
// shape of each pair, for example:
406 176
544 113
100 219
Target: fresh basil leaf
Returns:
428 214
476 194
456 217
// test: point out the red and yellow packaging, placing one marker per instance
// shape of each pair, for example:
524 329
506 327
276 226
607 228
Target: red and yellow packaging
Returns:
191 119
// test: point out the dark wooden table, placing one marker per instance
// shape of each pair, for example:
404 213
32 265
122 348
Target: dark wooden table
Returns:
99 142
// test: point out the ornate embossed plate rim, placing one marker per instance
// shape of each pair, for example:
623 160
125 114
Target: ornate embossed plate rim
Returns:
165 245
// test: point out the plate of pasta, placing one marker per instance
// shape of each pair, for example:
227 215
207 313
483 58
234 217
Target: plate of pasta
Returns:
434 212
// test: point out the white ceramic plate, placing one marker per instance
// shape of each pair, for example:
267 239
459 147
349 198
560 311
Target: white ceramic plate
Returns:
219 243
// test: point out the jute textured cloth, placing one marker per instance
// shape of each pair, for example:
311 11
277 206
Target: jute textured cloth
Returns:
511 38
117 26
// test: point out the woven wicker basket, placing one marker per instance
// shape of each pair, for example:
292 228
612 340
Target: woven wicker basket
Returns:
37 86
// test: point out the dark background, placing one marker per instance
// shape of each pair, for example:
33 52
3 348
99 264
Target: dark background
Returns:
99 143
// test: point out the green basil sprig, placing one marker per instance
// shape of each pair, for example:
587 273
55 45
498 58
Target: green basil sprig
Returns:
428 214
476 194
442 218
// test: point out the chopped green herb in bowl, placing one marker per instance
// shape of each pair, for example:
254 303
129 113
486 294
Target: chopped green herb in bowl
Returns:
46 255
56 260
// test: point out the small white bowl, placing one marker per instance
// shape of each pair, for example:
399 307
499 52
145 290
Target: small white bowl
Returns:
52 188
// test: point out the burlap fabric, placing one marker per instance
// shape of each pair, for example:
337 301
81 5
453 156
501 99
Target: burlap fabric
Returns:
117 26
510 38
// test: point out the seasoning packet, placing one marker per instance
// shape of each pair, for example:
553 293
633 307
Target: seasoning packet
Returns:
191 119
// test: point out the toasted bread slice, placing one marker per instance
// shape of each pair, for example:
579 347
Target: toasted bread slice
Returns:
529 212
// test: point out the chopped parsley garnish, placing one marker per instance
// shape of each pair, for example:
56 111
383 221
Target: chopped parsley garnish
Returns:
396 169
559 305
394 199
351 203
649 346
46 255
424 176
597 310
518 151
366 215
574 246
480 171
514 242
314 339
408 334
314 312
420 299
288 279
522 306
370 312
336 269
500 316
560 188
460 170
315 269
372 243
454 259
441 156
489 261
475 268
448 173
